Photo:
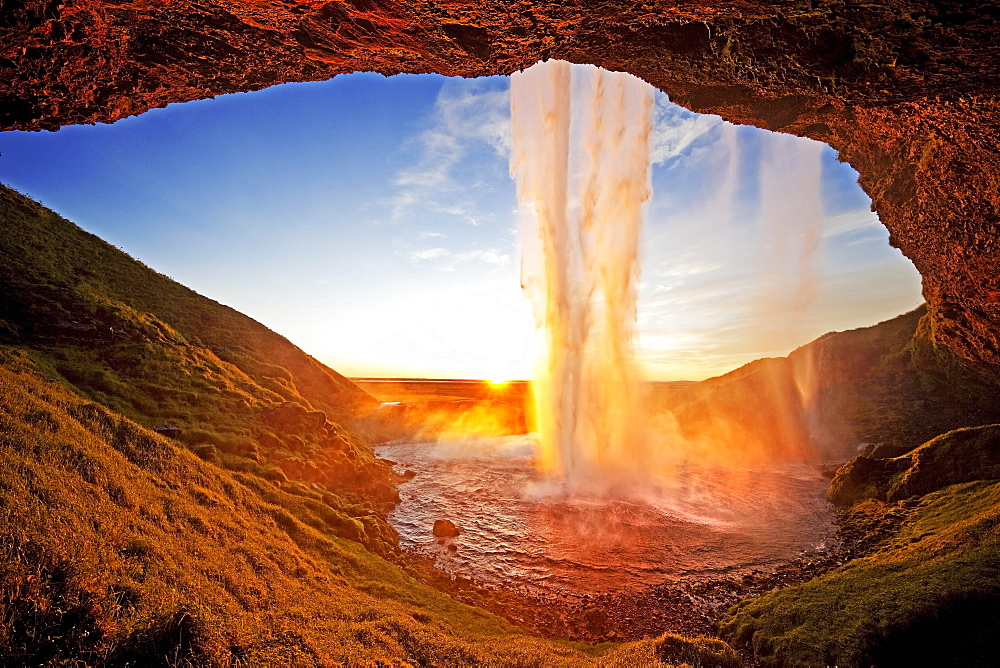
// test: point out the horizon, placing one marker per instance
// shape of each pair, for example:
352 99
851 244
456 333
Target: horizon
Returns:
371 221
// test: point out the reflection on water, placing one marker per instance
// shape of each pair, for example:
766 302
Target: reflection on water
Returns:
519 531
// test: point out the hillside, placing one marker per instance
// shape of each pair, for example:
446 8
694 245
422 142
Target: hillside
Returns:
885 386
117 333
926 593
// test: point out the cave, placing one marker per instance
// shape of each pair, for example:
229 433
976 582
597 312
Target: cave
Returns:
905 91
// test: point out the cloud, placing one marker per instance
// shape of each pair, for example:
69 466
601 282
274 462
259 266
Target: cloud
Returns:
423 236
468 120
465 211
676 129
485 256
400 203
491 256
851 221
430 254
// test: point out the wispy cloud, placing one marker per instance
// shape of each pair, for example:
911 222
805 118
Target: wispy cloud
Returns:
466 120
676 130
485 256
445 206
491 256
851 221
430 254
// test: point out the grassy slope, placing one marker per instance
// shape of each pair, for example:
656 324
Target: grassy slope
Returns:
962 455
54 270
116 332
929 596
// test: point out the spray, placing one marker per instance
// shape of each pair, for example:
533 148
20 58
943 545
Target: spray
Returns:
792 219
581 161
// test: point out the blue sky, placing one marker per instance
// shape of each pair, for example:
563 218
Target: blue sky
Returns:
372 221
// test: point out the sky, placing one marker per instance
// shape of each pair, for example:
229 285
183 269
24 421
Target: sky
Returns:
373 222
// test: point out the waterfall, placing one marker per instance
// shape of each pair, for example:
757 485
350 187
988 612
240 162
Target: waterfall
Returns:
581 162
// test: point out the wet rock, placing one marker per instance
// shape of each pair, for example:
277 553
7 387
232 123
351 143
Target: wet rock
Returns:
445 529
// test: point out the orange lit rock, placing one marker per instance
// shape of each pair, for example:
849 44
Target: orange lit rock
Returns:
445 529
906 90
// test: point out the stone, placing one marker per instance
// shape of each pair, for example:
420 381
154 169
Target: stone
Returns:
445 529
864 478
961 455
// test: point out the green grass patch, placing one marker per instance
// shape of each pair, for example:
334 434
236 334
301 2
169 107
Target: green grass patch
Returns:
928 597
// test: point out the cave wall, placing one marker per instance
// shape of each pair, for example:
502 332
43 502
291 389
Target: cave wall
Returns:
907 91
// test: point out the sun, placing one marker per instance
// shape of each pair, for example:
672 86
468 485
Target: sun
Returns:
497 382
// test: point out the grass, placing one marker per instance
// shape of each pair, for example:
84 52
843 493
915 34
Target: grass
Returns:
961 455
119 334
258 537
930 595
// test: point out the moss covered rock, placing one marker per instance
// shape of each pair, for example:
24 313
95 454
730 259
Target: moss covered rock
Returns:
961 455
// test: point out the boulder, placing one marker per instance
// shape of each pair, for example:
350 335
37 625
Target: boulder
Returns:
958 456
961 455
865 478
445 529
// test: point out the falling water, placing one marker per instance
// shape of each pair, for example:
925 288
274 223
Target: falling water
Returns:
581 161
792 219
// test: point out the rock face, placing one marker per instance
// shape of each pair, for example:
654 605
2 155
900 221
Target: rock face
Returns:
906 90
962 455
